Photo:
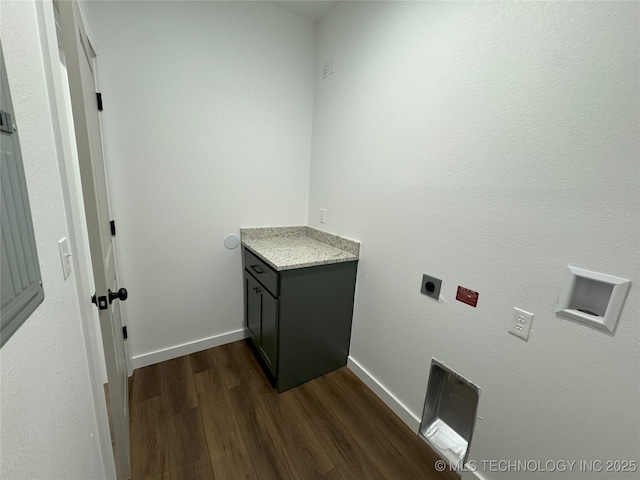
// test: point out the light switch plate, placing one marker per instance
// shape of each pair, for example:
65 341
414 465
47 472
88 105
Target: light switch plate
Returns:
65 256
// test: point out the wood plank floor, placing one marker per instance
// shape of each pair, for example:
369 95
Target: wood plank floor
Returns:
214 415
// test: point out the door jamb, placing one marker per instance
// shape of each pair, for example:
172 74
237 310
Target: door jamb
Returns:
74 209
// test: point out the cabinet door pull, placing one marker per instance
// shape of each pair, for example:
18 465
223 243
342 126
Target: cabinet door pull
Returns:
257 269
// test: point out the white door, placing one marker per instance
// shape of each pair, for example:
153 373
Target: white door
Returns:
79 56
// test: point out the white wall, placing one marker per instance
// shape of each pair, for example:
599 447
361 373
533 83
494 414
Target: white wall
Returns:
49 401
490 145
207 128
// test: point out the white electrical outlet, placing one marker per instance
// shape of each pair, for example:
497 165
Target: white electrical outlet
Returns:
521 323
65 256
323 213
327 68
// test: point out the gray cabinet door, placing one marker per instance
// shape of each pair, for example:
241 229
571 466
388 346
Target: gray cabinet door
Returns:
252 308
269 329
261 312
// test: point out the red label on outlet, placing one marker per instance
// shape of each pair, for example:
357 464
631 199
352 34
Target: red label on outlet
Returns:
467 296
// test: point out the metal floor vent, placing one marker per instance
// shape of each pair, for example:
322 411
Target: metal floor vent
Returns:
449 414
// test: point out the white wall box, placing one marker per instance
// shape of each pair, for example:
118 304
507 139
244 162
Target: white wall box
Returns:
449 414
592 298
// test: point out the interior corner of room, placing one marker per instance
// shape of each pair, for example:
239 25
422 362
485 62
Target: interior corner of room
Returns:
483 157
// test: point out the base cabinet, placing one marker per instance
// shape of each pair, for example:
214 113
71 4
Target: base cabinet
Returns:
299 320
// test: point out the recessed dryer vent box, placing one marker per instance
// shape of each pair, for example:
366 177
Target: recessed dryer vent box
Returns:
592 298
449 414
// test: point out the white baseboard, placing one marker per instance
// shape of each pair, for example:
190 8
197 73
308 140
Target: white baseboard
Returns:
385 395
169 353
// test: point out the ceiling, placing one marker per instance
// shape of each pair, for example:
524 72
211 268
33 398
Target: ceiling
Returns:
314 10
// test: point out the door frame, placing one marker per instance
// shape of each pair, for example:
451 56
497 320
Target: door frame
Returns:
77 229
80 65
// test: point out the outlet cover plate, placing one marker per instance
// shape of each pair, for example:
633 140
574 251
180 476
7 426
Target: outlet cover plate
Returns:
521 324
437 286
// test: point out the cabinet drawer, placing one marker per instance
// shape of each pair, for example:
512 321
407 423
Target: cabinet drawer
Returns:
261 271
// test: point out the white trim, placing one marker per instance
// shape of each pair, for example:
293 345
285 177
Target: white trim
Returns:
74 211
176 351
385 395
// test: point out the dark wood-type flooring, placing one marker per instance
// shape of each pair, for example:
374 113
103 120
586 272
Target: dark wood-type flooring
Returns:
214 415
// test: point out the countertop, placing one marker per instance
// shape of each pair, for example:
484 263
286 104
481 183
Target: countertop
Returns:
286 248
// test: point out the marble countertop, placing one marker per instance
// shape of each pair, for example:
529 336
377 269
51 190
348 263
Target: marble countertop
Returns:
286 248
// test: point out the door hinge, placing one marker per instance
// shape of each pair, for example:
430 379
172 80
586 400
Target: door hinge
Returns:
101 302
99 99
113 227
6 126
124 332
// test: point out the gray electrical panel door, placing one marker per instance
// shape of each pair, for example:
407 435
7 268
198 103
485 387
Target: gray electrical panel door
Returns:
20 283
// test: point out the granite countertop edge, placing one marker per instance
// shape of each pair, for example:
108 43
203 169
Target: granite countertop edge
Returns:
293 247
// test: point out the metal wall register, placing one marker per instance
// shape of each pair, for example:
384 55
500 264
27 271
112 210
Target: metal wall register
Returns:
449 414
